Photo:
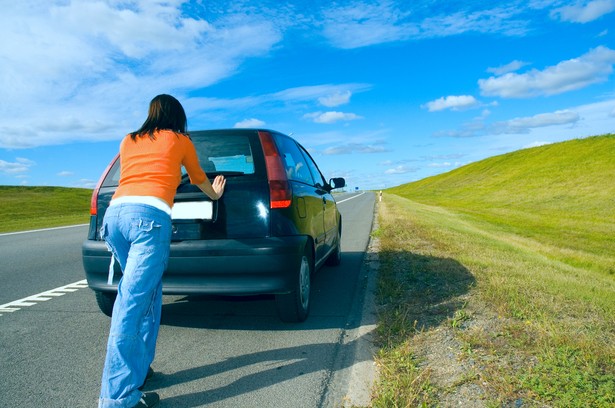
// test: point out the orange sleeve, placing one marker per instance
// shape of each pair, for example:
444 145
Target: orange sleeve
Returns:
191 163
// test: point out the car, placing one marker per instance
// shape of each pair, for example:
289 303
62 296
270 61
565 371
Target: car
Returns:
276 224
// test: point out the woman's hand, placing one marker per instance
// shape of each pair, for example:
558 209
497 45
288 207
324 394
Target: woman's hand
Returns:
213 190
218 185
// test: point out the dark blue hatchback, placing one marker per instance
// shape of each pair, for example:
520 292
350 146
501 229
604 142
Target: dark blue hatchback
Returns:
275 225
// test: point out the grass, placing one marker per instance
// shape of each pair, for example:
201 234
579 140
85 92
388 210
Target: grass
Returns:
25 208
513 258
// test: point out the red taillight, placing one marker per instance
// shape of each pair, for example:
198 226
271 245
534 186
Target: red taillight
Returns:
94 199
279 187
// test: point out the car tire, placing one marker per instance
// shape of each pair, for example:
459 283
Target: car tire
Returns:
105 302
294 307
336 256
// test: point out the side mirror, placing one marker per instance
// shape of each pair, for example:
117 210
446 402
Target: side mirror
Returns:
337 182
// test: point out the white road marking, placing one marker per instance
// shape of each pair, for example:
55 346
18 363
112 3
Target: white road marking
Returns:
350 198
44 229
42 297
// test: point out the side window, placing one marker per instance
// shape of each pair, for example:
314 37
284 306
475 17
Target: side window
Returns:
294 162
316 175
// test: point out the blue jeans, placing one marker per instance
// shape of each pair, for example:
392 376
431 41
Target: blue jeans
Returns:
139 236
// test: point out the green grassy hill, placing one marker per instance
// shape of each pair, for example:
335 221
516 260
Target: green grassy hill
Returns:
509 262
563 193
24 208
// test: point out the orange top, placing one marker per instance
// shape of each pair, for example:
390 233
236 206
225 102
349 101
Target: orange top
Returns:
153 167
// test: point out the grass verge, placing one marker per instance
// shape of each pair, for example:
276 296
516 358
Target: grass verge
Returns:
474 313
26 208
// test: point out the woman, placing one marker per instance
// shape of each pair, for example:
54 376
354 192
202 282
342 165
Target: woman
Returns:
137 229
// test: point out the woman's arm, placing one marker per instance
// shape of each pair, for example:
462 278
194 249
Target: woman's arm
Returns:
213 190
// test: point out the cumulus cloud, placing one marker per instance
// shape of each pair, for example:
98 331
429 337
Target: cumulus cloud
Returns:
249 123
20 165
584 13
336 99
451 102
101 60
331 117
577 73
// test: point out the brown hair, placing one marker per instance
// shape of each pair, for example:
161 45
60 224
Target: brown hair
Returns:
165 112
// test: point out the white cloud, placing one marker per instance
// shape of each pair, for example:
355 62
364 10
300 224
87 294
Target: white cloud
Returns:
20 165
320 92
331 117
401 169
249 123
451 102
584 13
535 144
65 174
336 99
577 73
361 24
522 125
510 67
355 148
81 64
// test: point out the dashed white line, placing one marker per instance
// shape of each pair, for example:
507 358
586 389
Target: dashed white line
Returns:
42 297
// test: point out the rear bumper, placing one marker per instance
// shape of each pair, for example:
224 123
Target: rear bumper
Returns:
224 267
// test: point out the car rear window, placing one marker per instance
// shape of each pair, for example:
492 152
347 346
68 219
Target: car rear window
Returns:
224 153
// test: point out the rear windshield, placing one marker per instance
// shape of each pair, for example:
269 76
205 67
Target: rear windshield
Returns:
224 153
218 154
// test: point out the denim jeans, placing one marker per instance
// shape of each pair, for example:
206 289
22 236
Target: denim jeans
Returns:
139 236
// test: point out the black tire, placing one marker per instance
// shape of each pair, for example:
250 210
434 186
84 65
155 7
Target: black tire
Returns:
336 256
294 307
105 302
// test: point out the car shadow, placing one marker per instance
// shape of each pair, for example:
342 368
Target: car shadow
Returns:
336 291
427 290
423 290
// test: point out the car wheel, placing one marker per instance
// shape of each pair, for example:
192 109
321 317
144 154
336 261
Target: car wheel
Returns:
105 302
294 307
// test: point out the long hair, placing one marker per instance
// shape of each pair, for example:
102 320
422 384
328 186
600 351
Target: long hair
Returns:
165 113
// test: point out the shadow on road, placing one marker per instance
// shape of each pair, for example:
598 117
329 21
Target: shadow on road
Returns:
266 369
335 290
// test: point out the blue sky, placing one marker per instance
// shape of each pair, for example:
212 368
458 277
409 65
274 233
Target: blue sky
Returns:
380 92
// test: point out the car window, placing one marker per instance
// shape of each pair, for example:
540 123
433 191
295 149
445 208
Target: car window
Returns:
294 162
113 177
224 153
316 175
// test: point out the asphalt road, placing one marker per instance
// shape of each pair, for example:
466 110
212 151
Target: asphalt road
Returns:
215 352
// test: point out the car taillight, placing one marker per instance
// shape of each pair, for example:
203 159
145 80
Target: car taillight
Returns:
94 199
279 187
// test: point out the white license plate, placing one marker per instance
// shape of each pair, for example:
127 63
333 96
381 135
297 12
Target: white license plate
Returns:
193 210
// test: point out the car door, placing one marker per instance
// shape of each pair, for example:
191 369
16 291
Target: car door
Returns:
307 195
330 218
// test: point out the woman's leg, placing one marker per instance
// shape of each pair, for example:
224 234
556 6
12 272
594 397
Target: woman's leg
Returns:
136 313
